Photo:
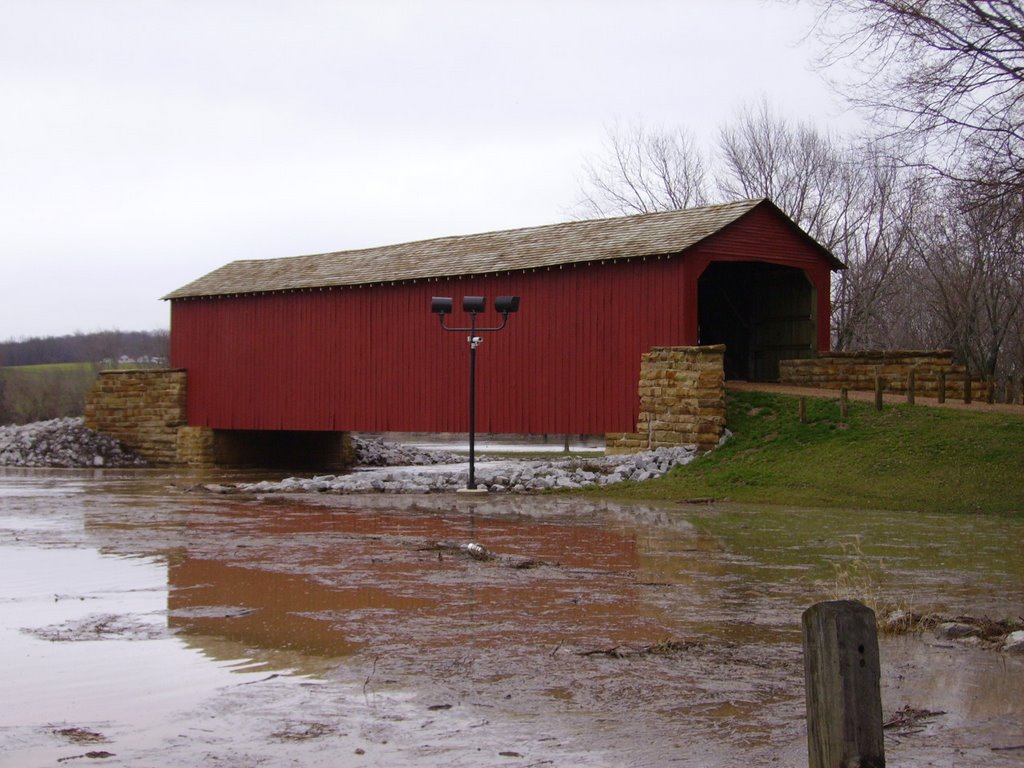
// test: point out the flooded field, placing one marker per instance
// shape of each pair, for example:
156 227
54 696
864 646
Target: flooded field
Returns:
144 624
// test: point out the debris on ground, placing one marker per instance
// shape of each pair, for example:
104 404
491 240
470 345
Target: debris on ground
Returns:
95 755
100 627
303 731
478 551
661 648
1002 634
80 735
909 718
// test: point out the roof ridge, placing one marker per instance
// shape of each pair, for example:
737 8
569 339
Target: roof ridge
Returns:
541 246
752 201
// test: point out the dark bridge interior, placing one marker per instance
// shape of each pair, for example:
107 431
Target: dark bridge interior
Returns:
762 313
281 449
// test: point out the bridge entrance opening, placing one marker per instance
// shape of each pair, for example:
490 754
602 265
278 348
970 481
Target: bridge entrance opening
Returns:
761 312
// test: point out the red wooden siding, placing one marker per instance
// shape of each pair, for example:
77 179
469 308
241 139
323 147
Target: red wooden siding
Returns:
375 359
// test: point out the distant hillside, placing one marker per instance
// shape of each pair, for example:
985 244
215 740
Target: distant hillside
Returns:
99 347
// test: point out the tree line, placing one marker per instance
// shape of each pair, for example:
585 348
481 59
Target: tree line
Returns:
926 211
85 348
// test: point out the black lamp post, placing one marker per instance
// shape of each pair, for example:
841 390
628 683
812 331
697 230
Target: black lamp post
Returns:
441 306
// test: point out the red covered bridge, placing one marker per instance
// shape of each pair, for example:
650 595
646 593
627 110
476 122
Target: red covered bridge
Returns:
346 342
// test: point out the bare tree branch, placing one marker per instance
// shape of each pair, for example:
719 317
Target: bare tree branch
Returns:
643 171
944 75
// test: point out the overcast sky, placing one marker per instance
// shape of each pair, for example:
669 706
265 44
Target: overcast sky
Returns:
144 143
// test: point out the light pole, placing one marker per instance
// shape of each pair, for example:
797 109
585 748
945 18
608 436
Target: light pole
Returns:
441 306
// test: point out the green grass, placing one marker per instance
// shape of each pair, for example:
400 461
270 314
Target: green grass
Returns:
903 458
45 369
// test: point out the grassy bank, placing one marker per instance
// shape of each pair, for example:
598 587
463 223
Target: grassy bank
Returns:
906 457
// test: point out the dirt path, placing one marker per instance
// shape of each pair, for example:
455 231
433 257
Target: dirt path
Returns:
890 398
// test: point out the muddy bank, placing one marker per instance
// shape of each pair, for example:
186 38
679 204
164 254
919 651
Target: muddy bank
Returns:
167 628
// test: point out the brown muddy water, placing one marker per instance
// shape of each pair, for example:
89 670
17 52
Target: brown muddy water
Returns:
142 624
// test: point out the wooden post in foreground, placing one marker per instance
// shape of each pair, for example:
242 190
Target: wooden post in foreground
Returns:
968 386
801 409
878 392
844 403
911 381
841 677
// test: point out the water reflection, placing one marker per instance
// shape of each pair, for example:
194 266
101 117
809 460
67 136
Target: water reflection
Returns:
331 582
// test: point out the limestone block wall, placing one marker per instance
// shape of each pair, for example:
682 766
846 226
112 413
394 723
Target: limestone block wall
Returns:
682 400
144 409
857 371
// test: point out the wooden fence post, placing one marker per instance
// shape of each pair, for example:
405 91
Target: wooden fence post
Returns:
841 677
844 403
910 386
878 392
801 409
968 386
941 376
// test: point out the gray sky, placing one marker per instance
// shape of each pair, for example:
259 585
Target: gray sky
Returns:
144 143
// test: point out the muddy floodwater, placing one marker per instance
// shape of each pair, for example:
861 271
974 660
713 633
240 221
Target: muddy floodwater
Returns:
144 622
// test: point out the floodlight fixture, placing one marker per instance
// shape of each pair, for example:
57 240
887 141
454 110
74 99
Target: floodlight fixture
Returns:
473 303
507 304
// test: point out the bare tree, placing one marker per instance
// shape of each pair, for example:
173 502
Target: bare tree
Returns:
973 253
946 75
801 169
643 171
875 304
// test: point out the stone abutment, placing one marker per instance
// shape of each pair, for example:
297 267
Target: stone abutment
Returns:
682 400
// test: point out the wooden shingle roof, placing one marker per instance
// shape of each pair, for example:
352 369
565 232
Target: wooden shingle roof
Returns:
490 252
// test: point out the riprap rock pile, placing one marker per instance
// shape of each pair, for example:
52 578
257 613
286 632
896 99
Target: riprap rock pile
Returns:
497 476
62 443
374 452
